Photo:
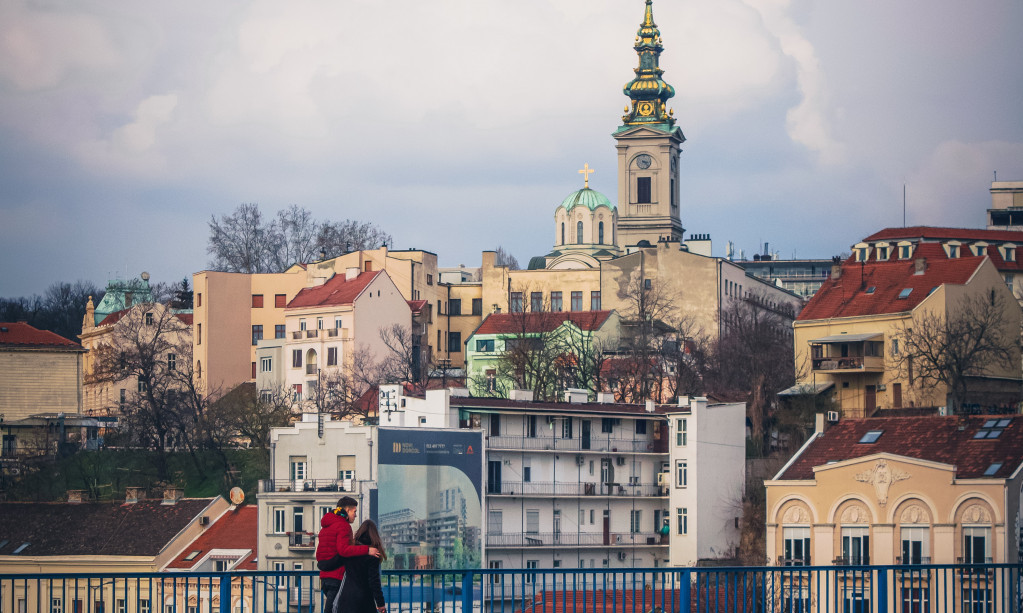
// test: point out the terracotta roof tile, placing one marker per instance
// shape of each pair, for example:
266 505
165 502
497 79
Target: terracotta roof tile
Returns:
417 306
510 323
564 407
22 335
873 288
335 291
948 440
717 598
235 529
936 233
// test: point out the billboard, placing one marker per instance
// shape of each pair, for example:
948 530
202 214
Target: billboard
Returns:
429 505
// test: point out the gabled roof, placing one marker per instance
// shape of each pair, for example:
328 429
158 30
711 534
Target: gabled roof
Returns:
417 306
873 288
535 323
20 335
238 528
936 233
947 440
336 291
95 529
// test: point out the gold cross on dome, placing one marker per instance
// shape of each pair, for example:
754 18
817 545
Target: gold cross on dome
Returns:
586 172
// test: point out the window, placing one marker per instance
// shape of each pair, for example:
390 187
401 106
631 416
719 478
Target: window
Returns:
455 342
556 305
485 345
607 425
882 253
871 289
566 428
796 545
296 392
477 306
220 566
257 301
682 473
579 232
905 251
319 323
976 545
198 334
198 302
527 474
577 301
455 306
429 279
635 521
331 356
681 436
495 424
992 428
279 331
1010 253
672 196
515 302
977 600
905 293
298 519
280 301
993 469
856 545
253 375
532 521
277 515
257 334
855 600
682 520
301 324
640 426
643 190
871 436
562 233
298 467
56 605
648 284
120 606
915 545
296 358
531 426
953 251
594 301
149 318
172 361
144 605
536 302
600 233
495 522
531 565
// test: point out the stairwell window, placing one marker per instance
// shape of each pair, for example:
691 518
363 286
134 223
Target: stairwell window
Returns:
682 520
682 473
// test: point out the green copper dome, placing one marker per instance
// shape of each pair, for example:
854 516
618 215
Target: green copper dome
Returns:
589 198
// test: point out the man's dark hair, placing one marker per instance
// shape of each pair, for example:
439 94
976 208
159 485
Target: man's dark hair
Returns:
347 501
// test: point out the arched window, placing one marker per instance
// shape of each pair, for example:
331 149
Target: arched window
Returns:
562 233
198 369
600 233
579 232
310 362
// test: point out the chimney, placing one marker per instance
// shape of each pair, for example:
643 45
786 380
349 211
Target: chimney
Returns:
76 496
605 397
351 272
683 401
172 495
577 396
919 266
649 406
521 395
134 494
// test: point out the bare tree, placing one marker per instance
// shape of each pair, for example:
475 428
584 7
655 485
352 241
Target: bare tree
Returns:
974 338
244 241
504 258
253 415
404 361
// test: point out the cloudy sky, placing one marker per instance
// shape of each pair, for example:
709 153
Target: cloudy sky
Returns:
458 125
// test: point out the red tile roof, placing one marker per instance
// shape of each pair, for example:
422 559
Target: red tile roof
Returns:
335 291
22 335
932 232
235 529
564 407
719 597
848 295
511 323
948 440
417 305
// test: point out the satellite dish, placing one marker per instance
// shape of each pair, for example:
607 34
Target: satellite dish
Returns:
237 495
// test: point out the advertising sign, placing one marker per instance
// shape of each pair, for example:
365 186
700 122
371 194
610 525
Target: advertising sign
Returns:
430 497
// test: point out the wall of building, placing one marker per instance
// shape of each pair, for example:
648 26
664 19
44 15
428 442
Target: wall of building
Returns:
39 381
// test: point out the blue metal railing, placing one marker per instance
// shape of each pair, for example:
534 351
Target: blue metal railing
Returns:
908 588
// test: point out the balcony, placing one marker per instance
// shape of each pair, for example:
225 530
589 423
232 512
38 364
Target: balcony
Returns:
312 333
311 369
556 488
794 561
838 365
332 332
604 445
913 560
306 485
301 541
296 335
851 561
575 539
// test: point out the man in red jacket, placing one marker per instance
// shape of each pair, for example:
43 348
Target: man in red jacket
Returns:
333 544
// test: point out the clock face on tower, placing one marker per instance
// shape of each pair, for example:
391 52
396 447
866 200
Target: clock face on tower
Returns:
643 161
645 109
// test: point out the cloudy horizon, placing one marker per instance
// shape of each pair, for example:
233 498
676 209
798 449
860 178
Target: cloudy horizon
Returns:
459 125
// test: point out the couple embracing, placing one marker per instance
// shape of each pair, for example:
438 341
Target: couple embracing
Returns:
349 564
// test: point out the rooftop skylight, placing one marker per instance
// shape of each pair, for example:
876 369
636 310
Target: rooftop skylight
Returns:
992 428
872 436
905 293
870 290
991 470
20 548
191 556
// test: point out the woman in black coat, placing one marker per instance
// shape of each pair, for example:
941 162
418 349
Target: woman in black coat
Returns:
360 589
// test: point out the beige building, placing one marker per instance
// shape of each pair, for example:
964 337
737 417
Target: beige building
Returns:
846 336
899 491
1006 212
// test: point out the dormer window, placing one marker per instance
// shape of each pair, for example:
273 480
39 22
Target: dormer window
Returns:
882 252
1008 252
952 249
862 252
905 250
979 248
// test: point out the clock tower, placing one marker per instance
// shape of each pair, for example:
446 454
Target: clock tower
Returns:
649 144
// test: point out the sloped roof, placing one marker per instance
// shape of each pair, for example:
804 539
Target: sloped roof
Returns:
707 599
934 232
417 305
235 529
116 316
336 291
534 323
565 407
21 335
948 440
98 529
873 288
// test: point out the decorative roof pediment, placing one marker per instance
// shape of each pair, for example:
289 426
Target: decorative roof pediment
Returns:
650 131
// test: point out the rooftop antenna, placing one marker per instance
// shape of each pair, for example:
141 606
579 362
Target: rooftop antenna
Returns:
996 176
903 204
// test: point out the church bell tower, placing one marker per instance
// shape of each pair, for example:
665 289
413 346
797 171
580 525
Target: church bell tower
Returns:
649 144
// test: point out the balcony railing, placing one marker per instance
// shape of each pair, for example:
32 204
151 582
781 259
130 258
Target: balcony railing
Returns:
301 541
574 539
794 561
542 443
554 488
311 369
856 362
306 485
312 333
913 560
296 334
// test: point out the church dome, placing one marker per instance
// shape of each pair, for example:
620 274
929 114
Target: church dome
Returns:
589 198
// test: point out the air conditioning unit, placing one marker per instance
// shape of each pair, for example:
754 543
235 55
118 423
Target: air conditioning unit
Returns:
881 387
663 478
204 520
622 555
833 416
618 538
579 460
620 461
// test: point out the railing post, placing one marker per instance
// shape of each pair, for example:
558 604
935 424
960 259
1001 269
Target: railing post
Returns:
467 592
686 606
225 593
882 590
